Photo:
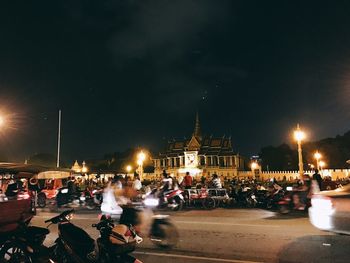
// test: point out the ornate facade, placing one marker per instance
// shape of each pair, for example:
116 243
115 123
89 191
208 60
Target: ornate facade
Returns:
199 156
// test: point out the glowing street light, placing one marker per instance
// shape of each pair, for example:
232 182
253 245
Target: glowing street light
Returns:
322 164
317 156
128 168
2 121
299 136
141 156
311 166
254 166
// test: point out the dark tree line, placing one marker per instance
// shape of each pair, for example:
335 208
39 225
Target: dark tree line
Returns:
335 152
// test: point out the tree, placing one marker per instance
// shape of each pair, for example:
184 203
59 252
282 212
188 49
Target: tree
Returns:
43 159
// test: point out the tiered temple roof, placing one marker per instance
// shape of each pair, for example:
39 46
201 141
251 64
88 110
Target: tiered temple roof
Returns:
207 145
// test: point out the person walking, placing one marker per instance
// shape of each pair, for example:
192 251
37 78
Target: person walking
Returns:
317 177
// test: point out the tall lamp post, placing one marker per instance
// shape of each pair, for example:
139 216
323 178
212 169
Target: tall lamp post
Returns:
140 159
299 136
322 165
317 156
128 169
2 121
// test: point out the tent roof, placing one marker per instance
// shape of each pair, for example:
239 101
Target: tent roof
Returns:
27 170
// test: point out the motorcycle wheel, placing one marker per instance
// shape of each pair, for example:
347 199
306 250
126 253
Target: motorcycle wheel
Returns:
41 200
12 252
58 253
179 202
284 209
164 234
209 203
251 203
269 205
90 204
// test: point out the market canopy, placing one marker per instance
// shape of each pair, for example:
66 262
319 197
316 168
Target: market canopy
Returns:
24 170
54 175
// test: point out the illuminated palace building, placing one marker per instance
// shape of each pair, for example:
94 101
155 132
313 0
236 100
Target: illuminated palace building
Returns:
199 156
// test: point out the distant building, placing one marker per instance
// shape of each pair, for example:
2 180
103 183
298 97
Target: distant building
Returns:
199 156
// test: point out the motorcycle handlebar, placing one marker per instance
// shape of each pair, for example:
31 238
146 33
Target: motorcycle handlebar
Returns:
56 219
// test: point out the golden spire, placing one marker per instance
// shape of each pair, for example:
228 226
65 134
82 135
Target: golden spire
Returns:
197 128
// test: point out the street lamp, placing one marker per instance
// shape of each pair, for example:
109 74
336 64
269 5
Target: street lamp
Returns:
128 168
317 156
254 166
140 159
2 121
299 135
322 164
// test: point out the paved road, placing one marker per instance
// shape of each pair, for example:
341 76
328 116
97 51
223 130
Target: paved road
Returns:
235 235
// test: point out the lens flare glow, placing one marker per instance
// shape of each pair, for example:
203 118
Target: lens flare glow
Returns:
321 213
151 202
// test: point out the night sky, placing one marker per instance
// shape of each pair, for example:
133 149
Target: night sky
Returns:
133 73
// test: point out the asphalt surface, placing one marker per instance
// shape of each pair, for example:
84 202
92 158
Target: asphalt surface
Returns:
232 235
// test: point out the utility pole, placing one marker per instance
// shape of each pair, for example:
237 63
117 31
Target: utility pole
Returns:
59 139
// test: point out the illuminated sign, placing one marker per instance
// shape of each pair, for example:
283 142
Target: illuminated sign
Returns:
191 159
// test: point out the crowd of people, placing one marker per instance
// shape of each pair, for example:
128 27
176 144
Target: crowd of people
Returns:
123 186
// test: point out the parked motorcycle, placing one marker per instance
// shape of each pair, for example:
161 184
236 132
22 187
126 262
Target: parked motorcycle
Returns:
245 197
25 244
75 245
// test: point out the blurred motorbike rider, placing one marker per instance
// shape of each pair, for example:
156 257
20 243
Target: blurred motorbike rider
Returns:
167 185
72 187
302 192
137 185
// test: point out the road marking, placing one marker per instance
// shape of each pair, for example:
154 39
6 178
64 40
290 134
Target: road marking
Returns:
225 224
194 257
176 221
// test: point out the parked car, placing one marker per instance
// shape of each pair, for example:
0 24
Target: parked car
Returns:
330 210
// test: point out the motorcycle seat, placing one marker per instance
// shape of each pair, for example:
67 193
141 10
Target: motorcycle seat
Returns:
76 238
35 231
35 235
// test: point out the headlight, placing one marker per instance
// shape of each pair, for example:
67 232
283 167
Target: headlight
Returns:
289 188
82 198
324 204
151 202
64 191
